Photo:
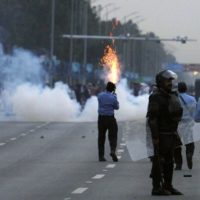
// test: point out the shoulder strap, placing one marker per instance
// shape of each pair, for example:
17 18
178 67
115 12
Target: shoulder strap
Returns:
183 100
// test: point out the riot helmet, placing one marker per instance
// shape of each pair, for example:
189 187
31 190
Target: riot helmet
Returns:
163 77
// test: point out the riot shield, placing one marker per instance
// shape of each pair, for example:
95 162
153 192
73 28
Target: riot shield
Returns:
138 139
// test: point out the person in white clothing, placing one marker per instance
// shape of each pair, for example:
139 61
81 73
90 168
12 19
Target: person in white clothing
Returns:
185 127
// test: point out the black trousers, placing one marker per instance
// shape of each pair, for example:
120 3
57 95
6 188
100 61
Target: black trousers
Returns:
162 162
178 155
107 123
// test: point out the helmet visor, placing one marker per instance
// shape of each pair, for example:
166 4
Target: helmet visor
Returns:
168 74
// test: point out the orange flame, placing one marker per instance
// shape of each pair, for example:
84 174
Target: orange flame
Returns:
111 63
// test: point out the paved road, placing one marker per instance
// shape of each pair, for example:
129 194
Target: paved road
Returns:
58 161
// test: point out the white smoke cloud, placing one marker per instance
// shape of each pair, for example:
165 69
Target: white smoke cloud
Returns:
89 112
34 103
19 67
27 99
131 107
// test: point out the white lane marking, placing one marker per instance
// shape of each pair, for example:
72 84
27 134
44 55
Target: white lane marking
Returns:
24 134
104 170
12 139
98 176
111 166
120 150
79 190
123 144
89 182
67 198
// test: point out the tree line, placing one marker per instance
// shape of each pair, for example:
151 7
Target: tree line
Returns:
27 24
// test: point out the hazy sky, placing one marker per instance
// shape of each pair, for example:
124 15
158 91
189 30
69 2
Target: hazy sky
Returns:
167 19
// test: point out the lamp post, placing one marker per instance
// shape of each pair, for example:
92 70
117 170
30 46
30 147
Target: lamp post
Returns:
100 10
107 13
136 20
125 44
87 3
142 66
125 19
106 7
110 11
139 21
52 42
71 39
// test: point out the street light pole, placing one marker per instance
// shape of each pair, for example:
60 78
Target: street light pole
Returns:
107 13
85 40
106 19
71 39
136 20
106 7
125 53
125 19
110 11
52 42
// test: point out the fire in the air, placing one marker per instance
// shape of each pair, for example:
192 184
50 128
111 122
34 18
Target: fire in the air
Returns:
111 63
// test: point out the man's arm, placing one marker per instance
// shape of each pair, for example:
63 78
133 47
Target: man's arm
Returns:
152 115
115 103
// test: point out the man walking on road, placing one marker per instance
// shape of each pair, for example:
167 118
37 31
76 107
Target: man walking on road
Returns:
163 115
107 103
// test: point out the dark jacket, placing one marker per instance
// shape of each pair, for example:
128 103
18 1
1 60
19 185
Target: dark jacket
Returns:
164 113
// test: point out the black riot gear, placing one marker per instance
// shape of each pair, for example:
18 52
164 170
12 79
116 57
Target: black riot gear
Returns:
165 75
163 115
174 107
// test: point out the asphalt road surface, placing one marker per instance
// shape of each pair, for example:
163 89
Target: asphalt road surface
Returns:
58 161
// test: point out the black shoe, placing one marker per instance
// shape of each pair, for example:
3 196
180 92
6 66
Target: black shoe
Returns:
114 157
102 159
160 192
174 191
189 161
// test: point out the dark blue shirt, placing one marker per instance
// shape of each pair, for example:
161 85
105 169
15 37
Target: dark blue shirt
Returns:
107 103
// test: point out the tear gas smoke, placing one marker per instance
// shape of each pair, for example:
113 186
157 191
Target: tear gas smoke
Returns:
25 97
33 103
20 67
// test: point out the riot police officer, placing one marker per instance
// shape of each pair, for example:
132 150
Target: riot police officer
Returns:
107 103
163 115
